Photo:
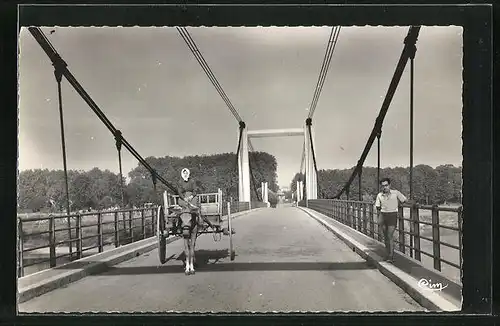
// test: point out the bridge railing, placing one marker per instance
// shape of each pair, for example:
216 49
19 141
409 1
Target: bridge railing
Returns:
236 206
48 241
83 232
431 234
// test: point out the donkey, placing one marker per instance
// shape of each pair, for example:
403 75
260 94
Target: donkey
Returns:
189 219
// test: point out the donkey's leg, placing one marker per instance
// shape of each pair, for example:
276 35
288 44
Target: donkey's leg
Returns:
193 247
186 254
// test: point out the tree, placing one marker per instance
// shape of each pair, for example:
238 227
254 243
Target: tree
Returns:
213 172
429 185
81 192
445 181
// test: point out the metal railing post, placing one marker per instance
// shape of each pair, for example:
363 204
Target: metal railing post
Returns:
143 224
378 232
436 245
412 232
359 220
70 236
52 241
153 220
117 236
99 231
20 247
372 221
131 226
416 230
79 243
460 220
365 229
401 230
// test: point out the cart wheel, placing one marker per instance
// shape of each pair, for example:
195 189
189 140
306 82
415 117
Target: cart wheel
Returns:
230 229
162 249
162 241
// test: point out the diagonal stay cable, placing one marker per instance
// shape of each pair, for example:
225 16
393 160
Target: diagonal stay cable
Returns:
319 86
324 68
197 54
59 63
201 60
409 46
323 78
204 65
206 68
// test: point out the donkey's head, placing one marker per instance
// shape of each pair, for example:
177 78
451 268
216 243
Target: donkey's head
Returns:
186 219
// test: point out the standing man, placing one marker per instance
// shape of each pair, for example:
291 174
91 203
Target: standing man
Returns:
387 204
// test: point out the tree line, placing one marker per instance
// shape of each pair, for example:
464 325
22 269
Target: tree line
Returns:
43 189
430 185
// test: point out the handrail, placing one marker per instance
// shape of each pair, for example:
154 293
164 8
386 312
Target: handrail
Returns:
414 229
34 219
89 230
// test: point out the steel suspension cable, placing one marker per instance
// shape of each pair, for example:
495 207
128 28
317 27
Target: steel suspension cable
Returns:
412 59
409 43
319 86
60 64
206 68
58 76
201 60
323 78
324 69
118 144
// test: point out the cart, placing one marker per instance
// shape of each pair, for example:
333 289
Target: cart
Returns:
211 221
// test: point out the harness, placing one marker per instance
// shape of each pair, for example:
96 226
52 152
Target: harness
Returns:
187 228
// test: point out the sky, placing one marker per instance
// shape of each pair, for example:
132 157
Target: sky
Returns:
151 87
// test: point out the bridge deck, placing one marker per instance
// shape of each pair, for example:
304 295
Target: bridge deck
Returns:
286 261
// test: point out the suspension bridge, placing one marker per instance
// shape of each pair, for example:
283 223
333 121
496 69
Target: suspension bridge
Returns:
320 254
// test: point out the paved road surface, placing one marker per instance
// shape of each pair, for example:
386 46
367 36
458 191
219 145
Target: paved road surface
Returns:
285 261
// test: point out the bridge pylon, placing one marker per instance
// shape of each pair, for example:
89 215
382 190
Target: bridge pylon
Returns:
243 169
265 193
311 190
310 172
300 190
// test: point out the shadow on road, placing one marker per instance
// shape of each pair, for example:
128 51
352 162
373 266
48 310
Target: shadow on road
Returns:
205 266
203 257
